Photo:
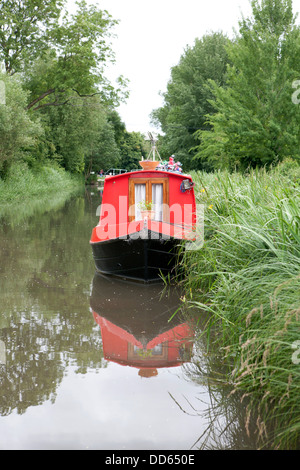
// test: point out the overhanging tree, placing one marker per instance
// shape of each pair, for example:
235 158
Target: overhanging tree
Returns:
59 57
74 64
24 26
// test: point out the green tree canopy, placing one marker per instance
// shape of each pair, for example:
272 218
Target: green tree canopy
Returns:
132 145
186 101
59 54
132 148
19 133
24 26
255 122
105 153
58 60
74 64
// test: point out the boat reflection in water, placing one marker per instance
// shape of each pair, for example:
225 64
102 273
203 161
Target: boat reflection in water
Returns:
138 325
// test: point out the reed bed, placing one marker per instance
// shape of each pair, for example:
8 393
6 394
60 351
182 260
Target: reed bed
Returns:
247 276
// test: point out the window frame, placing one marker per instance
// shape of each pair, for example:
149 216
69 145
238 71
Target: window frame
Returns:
148 182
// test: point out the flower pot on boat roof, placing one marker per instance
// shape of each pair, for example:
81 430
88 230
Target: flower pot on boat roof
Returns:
149 164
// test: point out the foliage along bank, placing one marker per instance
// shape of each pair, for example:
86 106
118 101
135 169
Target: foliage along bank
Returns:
27 191
247 278
233 103
56 104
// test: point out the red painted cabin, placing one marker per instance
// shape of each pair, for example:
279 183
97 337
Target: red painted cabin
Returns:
133 245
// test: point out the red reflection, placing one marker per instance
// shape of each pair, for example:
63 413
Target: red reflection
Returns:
168 349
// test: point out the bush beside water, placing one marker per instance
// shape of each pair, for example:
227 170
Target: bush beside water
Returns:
25 189
247 276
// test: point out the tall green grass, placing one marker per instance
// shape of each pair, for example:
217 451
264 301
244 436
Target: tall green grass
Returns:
247 275
26 190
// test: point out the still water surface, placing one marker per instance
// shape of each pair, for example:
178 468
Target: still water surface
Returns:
88 362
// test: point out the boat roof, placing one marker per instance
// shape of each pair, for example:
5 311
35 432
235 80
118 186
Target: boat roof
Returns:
146 172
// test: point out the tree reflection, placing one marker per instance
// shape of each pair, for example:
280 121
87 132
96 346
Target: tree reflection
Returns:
45 324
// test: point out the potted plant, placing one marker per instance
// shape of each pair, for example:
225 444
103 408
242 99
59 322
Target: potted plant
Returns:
146 209
149 164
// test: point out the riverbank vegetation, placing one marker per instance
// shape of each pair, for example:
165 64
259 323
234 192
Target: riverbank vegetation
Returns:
233 103
56 104
26 190
231 111
247 278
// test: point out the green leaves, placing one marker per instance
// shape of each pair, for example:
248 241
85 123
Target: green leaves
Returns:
17 130
58 55
187 97
132 147
256 122
59 60
24 29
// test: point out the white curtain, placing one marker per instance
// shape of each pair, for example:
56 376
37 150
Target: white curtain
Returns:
157 199
140 195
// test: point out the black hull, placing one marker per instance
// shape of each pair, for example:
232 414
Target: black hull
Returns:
137 259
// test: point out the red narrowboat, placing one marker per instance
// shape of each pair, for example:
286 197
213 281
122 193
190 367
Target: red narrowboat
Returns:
134 244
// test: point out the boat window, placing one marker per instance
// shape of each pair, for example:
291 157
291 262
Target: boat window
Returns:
157 199
144 189
139 196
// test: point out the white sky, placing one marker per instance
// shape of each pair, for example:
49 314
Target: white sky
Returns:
152 36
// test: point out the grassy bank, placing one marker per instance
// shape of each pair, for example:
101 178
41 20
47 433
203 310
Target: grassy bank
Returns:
26 191
247 276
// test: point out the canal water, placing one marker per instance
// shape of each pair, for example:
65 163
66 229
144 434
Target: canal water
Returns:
88 362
